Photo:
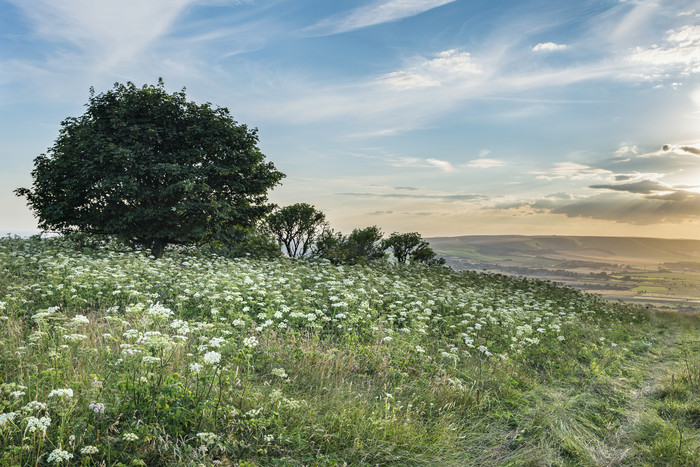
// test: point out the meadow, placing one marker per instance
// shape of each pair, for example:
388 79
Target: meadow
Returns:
110 357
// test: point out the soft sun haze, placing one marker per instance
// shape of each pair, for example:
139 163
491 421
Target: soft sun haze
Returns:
446 117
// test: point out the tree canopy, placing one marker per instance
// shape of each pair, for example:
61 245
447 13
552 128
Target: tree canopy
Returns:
411 246
152 168
361 246
296 227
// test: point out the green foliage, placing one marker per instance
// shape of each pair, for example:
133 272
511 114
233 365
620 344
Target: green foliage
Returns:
256 243
411 246
153 168
296 227
361 246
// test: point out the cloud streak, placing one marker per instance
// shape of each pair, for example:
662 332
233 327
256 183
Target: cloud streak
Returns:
108 32
373 14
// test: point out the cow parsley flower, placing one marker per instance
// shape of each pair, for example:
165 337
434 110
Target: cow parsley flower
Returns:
59 455
130 437
212 357
7 417
89 450
67 393
250 342
34 424
80 319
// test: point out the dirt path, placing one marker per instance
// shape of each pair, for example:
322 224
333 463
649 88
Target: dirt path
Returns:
651 372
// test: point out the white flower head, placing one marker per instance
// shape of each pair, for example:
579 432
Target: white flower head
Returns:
67 393
212 357
59 455
80 319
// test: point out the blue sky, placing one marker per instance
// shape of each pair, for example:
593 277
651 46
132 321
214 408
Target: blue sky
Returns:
446 117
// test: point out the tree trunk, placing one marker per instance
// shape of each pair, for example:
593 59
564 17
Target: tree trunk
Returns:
157 247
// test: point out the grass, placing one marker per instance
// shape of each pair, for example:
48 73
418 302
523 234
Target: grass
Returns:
108 357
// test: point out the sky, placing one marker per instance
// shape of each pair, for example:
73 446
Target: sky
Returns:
445 117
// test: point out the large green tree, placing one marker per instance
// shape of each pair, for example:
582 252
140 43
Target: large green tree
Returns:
152 168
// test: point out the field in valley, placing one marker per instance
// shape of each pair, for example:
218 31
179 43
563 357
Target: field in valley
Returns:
661 273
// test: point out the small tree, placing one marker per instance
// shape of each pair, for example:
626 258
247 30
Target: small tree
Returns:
361 246
296 227
151 168
365 244
411 246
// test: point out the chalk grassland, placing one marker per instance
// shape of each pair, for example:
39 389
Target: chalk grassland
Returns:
663 273
108 357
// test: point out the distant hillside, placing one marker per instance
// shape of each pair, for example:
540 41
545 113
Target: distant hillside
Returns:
546 251
664 273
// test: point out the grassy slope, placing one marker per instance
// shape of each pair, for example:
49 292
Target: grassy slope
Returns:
323 366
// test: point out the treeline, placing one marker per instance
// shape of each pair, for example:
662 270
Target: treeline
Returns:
302 231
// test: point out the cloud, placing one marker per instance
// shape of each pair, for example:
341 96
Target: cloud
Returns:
571 171
380 213
642 187
627 149
484 163
377 12
406 188
678 207
108 32
445 166
443 67
684 149
682 50
548 47
442 165
442 197
690 149
629 208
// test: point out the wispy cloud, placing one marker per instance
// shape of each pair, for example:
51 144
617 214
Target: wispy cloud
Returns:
443 67
548 47
642 187
416 196
375 13
445 166
484 163
107 32
571 171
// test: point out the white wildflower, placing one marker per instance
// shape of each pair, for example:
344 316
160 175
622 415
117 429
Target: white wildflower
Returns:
68 393
34 424
89 450
7 417
59 455
212 357
80 319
